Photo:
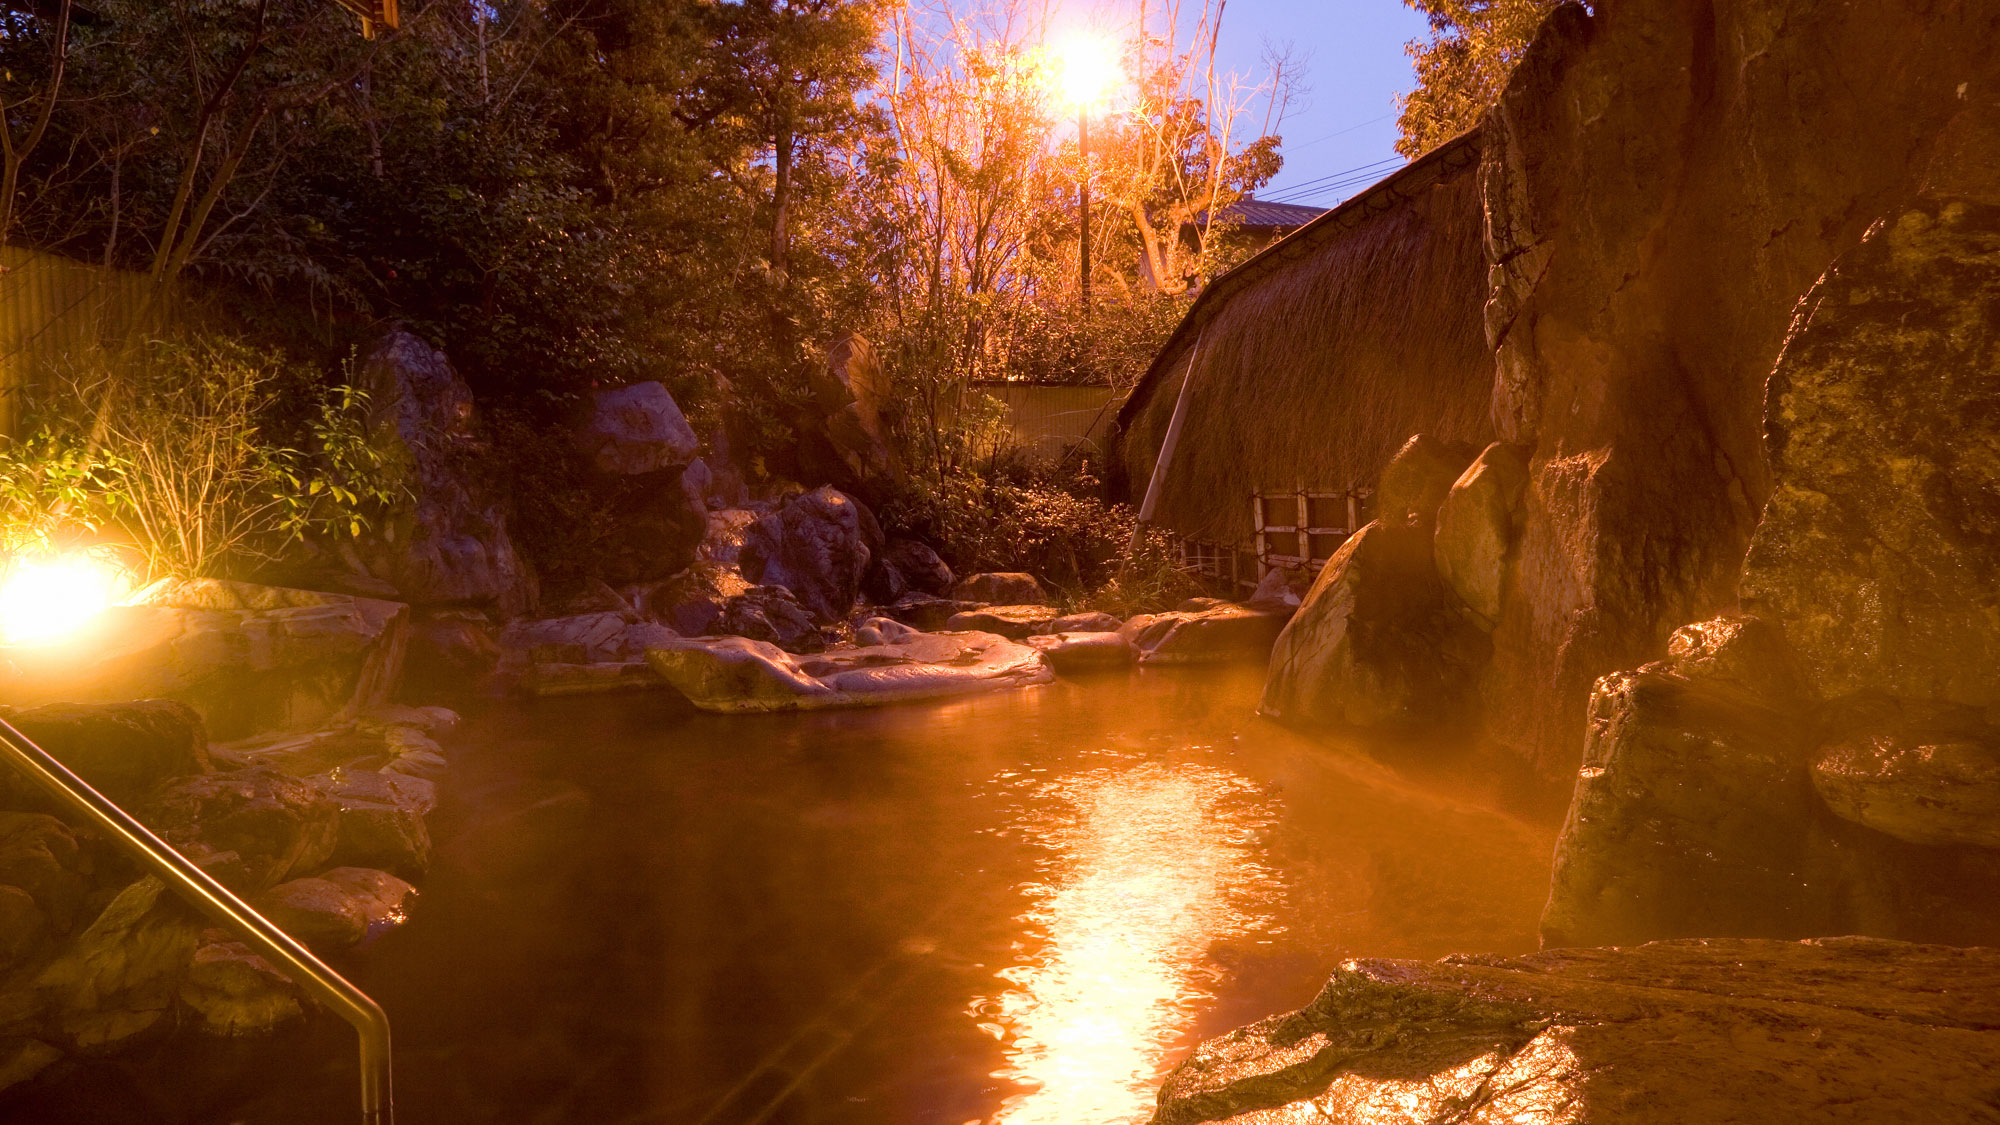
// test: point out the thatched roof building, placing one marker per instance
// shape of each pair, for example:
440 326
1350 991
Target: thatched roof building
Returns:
1317 359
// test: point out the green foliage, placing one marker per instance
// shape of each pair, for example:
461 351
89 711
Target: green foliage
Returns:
1463 67
184 450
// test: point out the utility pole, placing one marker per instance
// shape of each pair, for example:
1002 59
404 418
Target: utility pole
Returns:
1083 193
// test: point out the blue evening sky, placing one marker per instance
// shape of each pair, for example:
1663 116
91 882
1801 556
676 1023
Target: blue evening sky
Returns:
1340 135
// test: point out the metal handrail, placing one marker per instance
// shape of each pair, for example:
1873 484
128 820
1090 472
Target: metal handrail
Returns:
329 987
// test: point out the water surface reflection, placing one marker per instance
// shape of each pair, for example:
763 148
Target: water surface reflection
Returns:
1151 864
1020 909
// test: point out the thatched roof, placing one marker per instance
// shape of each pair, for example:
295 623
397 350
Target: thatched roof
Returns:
1320 356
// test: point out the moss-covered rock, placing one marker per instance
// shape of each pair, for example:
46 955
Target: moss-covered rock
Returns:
1880 546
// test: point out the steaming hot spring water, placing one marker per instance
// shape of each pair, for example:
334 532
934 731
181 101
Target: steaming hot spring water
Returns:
1022 908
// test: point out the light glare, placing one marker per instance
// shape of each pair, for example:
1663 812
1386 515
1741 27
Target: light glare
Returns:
41 599
1085 70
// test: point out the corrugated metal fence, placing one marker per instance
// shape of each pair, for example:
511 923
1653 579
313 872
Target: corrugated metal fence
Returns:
53 311
1050 419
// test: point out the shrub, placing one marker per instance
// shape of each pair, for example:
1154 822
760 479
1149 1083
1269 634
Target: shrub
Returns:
211 456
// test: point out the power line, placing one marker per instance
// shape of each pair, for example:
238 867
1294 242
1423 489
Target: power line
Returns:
1333 181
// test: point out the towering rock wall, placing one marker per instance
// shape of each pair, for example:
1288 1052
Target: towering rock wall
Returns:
1664 180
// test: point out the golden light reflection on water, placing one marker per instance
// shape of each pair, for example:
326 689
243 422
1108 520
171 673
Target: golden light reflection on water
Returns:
1150 865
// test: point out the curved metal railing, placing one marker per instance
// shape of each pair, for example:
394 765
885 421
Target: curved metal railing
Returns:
194 884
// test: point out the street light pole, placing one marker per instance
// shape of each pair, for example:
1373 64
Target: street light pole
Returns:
1083 193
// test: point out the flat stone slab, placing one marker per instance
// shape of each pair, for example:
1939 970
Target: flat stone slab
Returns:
736 674
1699 1032
1072 652
1011 621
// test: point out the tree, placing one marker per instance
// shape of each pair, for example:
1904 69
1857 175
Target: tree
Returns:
1462 68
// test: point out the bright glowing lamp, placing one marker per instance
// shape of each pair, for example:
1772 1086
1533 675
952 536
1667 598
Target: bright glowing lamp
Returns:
44 598
1085 71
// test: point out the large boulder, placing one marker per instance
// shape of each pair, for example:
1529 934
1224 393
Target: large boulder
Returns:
1417 479
245 657
1000 588
250 828
384 819
1476 527
1922 774
1695 814
1216 634
122 750
119 976
1880 546
1671 1033
1378 643
734 674
636 430
446 540
693 601
813 546
237 992
1645 272
920 567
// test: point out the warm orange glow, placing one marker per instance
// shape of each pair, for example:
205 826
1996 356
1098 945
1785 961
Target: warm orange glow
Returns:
1085 68
1153 871
45 597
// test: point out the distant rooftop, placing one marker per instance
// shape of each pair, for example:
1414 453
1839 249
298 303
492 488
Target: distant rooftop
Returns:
1250 211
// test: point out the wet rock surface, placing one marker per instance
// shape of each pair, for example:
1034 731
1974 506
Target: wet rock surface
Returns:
1841 1029
1880 546
1379 642
1072 652
1221 634
735 674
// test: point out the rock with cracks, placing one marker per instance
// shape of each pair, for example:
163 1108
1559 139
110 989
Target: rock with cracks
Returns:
1741 1032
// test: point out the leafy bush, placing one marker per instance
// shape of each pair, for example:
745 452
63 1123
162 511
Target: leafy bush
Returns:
210 456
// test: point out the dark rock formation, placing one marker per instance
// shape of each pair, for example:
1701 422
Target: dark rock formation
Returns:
773 615
636 431
1000 588
814 546
249 828
920 567
1672 1033
1416 480
1379 641
447 541
692 602
1880 546
340 909
1924 774
1696 812
1663 181
122 750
